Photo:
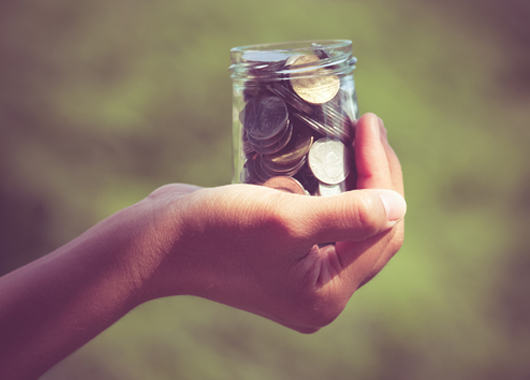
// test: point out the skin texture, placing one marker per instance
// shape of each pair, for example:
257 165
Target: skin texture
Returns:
250 247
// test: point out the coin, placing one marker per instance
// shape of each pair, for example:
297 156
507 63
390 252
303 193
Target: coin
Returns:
328 161
314 85
298 146
272 169
325 190
290 97
253 89
296 121
288 184
248 149
320 51
274 144
265 117
252 171
320 127
307 179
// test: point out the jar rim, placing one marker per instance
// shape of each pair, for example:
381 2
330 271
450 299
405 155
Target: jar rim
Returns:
267 61
292 46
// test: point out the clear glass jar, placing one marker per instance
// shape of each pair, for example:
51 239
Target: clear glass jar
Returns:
294 113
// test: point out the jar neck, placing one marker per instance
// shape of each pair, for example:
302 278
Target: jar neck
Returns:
271 62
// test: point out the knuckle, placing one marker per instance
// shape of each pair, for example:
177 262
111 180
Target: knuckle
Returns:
284 217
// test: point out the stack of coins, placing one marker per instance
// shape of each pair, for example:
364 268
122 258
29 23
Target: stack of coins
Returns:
295 130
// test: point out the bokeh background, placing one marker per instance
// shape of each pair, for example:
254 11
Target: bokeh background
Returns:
102 101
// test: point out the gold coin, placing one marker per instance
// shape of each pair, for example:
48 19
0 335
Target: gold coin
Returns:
314 85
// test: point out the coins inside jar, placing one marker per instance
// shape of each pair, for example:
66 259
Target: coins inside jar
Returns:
288 184
297 123
316 86
329 161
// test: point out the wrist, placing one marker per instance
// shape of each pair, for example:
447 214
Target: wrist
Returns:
150 255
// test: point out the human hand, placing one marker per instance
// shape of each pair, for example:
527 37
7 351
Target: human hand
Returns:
250 247
256 248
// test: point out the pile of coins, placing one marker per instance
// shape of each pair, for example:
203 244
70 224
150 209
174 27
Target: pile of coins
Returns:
295 131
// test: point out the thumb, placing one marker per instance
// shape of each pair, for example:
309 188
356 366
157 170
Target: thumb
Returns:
354 215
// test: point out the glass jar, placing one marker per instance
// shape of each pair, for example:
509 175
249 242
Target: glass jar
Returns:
294 114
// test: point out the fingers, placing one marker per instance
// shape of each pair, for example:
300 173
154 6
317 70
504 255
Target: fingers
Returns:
372 164
377 167
351 216
359 214
393 163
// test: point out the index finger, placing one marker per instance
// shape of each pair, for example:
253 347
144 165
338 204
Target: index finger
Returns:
373 170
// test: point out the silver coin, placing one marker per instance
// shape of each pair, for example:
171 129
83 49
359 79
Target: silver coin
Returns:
325 190
273 146
265 118
328 161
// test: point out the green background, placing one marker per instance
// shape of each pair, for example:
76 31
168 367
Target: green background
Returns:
103 101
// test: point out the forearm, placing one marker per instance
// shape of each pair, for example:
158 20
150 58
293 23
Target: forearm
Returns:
54 305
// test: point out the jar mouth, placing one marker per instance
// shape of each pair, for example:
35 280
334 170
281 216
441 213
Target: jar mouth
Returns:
271 61
295 46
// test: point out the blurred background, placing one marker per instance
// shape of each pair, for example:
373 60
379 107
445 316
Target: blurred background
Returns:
103 101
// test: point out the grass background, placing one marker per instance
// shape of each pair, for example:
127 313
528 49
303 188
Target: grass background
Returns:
103 101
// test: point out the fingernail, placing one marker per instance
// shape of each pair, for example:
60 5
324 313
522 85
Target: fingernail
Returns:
394 203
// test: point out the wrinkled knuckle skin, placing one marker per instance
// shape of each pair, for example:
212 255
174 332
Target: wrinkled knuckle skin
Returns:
278 221
288 224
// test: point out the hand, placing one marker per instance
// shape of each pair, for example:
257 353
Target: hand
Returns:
250 247
256 248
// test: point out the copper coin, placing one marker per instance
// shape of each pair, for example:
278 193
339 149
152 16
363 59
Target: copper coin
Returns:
287 184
